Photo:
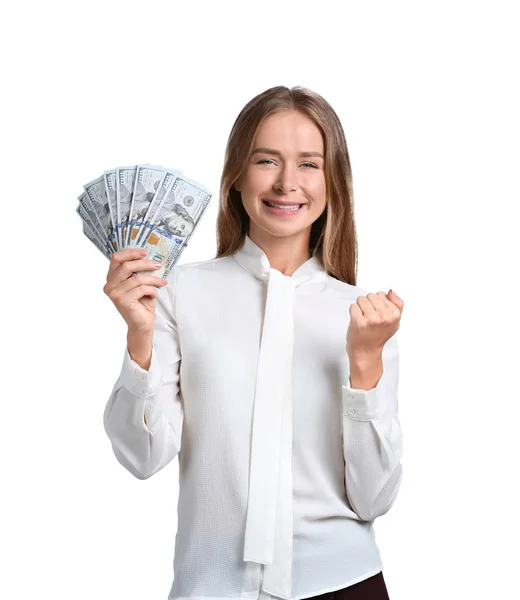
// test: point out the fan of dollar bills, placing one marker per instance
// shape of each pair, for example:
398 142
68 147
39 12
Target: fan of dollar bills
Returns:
143 206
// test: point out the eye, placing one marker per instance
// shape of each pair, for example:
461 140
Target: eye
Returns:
266 160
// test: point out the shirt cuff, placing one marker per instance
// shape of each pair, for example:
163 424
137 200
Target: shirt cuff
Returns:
365 405
138 380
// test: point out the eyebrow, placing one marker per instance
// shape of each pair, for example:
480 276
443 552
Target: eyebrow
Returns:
278 153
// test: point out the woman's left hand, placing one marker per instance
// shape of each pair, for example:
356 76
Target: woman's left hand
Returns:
374 319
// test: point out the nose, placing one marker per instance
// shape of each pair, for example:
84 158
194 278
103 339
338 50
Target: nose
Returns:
287 181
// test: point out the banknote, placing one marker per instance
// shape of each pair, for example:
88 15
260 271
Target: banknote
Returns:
164 188
88 231
125 179
88 219
96 191
110 189
176 218
145 206
89 208
148 179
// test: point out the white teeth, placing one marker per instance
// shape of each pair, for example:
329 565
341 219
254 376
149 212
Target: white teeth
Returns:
284 207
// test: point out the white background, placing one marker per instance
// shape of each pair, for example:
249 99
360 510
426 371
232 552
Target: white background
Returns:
428 96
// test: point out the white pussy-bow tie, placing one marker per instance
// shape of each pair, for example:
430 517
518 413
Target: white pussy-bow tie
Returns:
269 524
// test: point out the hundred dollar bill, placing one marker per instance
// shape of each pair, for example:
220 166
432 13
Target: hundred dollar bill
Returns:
86 212
148 179
110 188
88 219
125 179
98 196
148 218
177 217
89 208
88 231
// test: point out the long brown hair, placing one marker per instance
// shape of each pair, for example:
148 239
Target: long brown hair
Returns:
333 240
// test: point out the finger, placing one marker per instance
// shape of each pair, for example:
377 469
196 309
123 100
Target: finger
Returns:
142 290
396 301
383 306
392 309
384 299
146 300
366 306
356 314
377 302
121 256
132 282
127 269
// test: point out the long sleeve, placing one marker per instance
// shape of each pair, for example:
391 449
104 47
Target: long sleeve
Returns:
144 414
372 440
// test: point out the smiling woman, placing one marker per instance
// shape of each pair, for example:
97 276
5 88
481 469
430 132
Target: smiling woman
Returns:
283 466
287 183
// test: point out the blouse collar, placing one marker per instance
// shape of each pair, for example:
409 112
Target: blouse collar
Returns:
254 260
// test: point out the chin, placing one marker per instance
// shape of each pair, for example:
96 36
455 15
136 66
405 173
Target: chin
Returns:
281 230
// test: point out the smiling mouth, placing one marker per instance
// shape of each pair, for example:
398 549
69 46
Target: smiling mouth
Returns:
283 205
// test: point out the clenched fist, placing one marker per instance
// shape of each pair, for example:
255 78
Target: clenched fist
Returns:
374 319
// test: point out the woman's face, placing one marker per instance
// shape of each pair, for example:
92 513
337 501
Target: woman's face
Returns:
281 172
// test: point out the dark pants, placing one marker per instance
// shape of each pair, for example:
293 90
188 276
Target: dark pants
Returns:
373 588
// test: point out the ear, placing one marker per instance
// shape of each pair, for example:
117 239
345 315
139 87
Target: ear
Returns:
235 185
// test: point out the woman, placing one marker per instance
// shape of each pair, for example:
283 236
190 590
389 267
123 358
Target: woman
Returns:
270 374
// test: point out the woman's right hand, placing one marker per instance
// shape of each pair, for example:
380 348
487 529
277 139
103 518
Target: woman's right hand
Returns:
134 296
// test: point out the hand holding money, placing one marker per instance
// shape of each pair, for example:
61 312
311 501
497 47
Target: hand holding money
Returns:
134 295
137 216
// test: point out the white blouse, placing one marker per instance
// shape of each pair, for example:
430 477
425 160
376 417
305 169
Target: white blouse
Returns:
283 467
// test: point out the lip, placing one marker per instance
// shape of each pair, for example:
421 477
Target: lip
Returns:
281 202
281 211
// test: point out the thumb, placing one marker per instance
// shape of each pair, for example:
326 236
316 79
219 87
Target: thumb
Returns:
395 298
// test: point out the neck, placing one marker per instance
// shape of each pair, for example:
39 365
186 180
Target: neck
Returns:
285 253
